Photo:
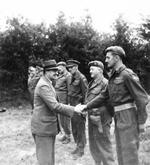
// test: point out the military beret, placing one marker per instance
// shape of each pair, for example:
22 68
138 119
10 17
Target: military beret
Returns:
71 63
61 63
116 50
97 64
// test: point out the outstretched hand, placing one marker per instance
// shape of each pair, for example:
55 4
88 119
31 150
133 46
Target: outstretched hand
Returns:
80 108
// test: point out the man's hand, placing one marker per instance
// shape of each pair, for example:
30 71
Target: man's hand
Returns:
80 108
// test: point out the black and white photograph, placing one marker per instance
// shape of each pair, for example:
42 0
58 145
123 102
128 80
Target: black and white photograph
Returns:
75 82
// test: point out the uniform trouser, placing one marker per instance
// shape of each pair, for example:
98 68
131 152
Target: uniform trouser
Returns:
78 126
78 131
45 148
65 121
127 138
100 145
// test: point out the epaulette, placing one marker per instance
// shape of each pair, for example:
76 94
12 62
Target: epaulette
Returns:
132 74
105 80
83 78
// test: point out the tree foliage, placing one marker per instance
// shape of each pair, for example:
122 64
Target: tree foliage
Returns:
144 32
16 46
23 44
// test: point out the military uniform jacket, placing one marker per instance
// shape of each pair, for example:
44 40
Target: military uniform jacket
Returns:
32 83
62 85
124 87
44 120
95 89
78 87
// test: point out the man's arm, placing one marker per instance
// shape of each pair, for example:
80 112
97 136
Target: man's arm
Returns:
84 85
68 81
98 100
139 94
48 96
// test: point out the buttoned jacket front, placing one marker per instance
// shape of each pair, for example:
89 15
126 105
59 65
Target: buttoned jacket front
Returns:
95 89
44 120
78 88
62 87
124 87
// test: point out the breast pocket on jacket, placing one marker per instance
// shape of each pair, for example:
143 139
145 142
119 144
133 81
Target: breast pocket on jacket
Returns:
119 85
49 119
76 82
96 91
93 93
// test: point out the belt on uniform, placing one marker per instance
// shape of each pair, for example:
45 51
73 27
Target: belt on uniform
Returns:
124 107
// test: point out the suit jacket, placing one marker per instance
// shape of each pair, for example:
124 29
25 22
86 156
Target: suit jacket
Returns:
44 121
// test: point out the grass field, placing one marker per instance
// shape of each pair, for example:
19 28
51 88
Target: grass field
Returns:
17 146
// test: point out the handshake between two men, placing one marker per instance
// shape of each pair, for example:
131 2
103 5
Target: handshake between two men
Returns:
80 108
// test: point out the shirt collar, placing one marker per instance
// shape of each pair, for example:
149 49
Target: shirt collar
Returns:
99 79
76 74
47 79
118 70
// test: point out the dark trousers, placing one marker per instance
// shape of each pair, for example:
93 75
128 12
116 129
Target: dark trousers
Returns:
100 145
45 149
78 126
127 137
78 131
65 121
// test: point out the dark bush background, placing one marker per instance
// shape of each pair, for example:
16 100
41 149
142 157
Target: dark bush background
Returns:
23 44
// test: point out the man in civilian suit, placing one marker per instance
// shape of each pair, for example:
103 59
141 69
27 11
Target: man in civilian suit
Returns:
44 122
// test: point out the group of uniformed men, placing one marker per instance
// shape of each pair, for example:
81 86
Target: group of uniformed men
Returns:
62 88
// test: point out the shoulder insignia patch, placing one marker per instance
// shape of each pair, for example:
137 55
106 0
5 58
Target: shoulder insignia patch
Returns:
132 74
135 77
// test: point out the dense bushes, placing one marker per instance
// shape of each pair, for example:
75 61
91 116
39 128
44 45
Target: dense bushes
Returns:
23 44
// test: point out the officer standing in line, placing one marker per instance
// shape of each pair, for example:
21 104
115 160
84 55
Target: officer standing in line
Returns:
31 87
62 89
129 101
34 76
78 87
99 119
